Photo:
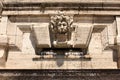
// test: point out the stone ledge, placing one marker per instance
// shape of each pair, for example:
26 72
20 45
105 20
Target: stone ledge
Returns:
82 12
61 1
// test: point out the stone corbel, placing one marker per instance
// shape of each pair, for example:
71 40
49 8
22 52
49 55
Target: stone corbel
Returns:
28 46
3 49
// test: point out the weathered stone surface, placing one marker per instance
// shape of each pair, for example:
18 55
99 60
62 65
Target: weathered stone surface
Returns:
20 61
3 40
42 35
28 46
82 36
3 49
118 28
3 24
66 1
81 27
3 56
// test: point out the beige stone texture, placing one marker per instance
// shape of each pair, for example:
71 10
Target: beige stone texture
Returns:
42 35
27 46
65 1
25 30
3 40
3 56
3 50
99 39
118 29
3 25
112 33
82 36
36 63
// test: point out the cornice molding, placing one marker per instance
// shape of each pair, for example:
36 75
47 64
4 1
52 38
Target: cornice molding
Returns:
63 6
91 6
62 1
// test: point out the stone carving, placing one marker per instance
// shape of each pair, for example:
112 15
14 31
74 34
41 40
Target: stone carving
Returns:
61 23
61 28
26 30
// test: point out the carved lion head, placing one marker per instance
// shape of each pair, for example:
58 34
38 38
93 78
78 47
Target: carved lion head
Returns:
61 23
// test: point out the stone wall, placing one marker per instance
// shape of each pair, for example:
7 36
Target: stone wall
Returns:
25 30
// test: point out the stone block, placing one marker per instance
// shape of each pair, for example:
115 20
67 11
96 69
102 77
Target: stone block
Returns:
42 35
118 29
103 19
118 39
86 64
27 46
18 31
65 1
11 40
53 64
95 46
3 56
18 42
20 61
104 65
105 54
11 30
82 36
3 49
3 40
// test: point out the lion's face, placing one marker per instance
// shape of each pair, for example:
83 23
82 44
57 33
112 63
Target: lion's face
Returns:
61 23
62 27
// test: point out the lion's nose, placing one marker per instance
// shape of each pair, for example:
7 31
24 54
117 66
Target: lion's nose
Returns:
62 26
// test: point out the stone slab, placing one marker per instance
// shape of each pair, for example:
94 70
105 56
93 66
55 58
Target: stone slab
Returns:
29 61
81 12
65 1
82 36
42 35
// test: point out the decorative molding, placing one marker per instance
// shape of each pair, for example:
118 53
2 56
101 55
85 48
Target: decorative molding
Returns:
61 23
61 29
49 7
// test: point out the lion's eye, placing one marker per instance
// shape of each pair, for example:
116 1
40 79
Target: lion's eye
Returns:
64 24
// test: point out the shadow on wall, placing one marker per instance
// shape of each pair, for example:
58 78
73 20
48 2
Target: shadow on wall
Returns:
33 40
59 59
115 55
